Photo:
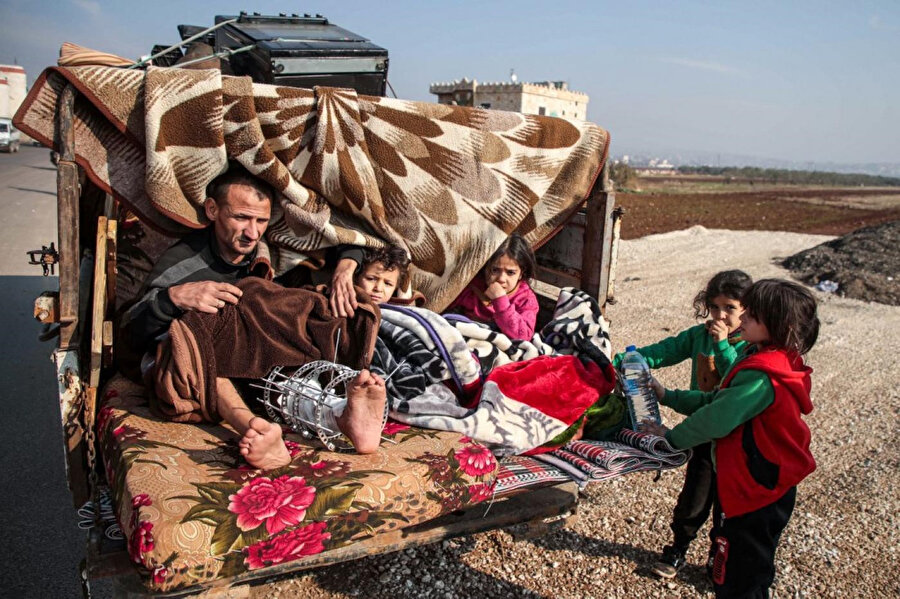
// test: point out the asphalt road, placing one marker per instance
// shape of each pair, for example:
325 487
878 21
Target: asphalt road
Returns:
40 543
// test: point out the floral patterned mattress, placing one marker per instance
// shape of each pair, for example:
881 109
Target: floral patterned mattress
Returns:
193 511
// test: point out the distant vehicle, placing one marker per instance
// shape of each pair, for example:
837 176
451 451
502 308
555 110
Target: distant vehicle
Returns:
10 138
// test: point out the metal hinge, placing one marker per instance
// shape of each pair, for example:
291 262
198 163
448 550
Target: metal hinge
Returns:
46 258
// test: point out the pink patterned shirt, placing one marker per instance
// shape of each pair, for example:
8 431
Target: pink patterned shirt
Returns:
514 314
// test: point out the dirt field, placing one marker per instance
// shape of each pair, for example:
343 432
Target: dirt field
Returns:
864 261
827 211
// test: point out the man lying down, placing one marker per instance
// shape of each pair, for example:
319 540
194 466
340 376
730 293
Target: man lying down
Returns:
196 292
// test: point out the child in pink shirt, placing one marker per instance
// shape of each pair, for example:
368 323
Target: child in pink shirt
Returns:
501 295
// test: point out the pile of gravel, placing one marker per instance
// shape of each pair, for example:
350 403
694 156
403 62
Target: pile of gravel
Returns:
863 263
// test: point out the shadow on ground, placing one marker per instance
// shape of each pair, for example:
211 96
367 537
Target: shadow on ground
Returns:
643 559
42 545
376 577
43 191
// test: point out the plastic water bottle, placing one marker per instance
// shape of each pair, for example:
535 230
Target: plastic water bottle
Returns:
642 402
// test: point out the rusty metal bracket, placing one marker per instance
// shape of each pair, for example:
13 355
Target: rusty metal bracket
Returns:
46 258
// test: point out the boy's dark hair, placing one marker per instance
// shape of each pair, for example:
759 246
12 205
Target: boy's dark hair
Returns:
238 175
730 283
518 249
390 257
787 309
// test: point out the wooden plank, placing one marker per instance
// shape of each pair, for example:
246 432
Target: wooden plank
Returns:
107 360
597 239
112 269
98 313
562 253
618 213
67 191
67 356
579 254
557 278
606 260
68 368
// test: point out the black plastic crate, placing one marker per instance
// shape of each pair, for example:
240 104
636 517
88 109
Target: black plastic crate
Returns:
303 51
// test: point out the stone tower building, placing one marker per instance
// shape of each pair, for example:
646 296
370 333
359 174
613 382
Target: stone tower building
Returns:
550 98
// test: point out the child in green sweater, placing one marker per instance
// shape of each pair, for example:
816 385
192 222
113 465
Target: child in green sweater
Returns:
754 421
713 346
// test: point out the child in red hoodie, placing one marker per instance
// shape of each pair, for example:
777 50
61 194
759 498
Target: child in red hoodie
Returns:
760 441
501 295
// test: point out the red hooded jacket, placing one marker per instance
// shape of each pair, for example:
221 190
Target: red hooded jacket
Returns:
760 460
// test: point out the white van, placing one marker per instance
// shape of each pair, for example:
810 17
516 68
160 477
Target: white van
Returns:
9 136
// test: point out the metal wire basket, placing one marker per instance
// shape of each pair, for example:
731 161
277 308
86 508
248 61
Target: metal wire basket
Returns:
322 382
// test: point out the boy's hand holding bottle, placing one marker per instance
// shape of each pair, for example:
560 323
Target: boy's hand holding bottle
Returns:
648 425
652 428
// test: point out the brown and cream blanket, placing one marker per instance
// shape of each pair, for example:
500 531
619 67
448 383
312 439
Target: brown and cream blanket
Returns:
447 183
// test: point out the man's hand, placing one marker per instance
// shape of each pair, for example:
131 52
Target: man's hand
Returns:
494 290
204 296
718 330
343 296
657 387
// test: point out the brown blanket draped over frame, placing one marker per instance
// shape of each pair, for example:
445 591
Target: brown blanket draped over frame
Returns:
270 326
447 183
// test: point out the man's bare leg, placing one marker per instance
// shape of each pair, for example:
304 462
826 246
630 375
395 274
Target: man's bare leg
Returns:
363 417
261 443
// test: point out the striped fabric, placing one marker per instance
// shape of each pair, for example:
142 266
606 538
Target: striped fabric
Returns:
591 461
646 442
521 471
631 452
587 468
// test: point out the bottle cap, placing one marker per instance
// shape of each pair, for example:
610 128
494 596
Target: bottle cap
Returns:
630 348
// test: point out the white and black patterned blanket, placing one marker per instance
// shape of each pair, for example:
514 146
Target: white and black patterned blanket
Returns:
440 360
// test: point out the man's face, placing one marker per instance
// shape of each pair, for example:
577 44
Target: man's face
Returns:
239 221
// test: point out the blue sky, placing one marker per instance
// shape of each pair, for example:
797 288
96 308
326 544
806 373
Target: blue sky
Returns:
802 81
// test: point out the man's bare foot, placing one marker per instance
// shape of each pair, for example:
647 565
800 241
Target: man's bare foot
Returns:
262 445
364 414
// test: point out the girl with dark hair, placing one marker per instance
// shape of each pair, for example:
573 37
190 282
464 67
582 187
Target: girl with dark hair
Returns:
713 346
501 294
760 441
